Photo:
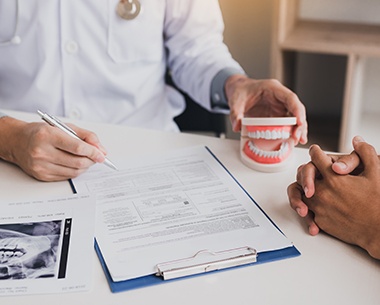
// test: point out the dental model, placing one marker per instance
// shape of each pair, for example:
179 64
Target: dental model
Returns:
265 143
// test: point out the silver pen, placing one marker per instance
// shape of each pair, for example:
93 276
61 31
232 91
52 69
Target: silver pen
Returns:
53 121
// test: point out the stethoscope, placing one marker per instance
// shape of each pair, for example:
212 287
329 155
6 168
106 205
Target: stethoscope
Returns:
126 9
15 39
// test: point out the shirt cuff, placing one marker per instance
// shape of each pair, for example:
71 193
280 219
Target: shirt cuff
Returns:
218 96
2 114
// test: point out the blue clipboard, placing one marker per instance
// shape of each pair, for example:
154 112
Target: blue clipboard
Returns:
153 279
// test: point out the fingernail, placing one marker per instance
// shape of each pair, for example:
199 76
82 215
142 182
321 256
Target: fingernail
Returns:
341 165
305 190
358 139
298 210
102 149
313 146
298 134
235 125
100 158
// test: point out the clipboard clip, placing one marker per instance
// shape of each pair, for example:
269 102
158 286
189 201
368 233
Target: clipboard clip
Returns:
206 261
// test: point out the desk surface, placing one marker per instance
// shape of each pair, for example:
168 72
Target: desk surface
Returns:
327 272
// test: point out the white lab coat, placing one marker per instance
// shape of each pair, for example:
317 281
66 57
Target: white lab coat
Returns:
78 58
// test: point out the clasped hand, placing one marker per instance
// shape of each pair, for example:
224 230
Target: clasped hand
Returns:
341 195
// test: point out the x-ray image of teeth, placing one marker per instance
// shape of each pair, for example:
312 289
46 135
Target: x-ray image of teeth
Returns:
29 250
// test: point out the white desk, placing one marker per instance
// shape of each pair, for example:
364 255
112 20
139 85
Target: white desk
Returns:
327 272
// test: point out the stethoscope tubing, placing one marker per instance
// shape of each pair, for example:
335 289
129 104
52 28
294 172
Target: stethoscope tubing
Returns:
15 39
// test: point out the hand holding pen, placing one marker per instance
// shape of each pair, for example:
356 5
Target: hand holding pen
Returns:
49 153
53 121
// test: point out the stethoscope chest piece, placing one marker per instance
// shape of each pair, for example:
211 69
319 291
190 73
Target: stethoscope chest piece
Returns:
128 9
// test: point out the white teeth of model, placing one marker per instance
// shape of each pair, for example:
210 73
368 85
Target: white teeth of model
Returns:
252 147
284 147
269 154
269 135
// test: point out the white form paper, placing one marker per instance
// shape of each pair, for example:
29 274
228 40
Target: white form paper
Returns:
46 245
169 207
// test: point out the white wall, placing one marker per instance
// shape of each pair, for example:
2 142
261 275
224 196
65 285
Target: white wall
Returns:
354 11
358 11
371 92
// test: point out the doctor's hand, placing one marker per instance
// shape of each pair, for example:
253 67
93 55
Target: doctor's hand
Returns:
305 182
45 152
264 98
348 206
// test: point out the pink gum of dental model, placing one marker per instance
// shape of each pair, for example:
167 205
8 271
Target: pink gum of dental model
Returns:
265 143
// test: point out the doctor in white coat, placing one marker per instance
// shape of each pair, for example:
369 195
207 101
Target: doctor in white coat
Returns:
106 61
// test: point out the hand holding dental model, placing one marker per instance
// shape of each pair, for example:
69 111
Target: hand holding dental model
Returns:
249 97
261 110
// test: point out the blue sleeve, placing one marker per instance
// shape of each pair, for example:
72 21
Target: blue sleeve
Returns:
219 102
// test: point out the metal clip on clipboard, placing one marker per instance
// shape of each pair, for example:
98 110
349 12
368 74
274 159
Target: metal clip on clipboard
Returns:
206 261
